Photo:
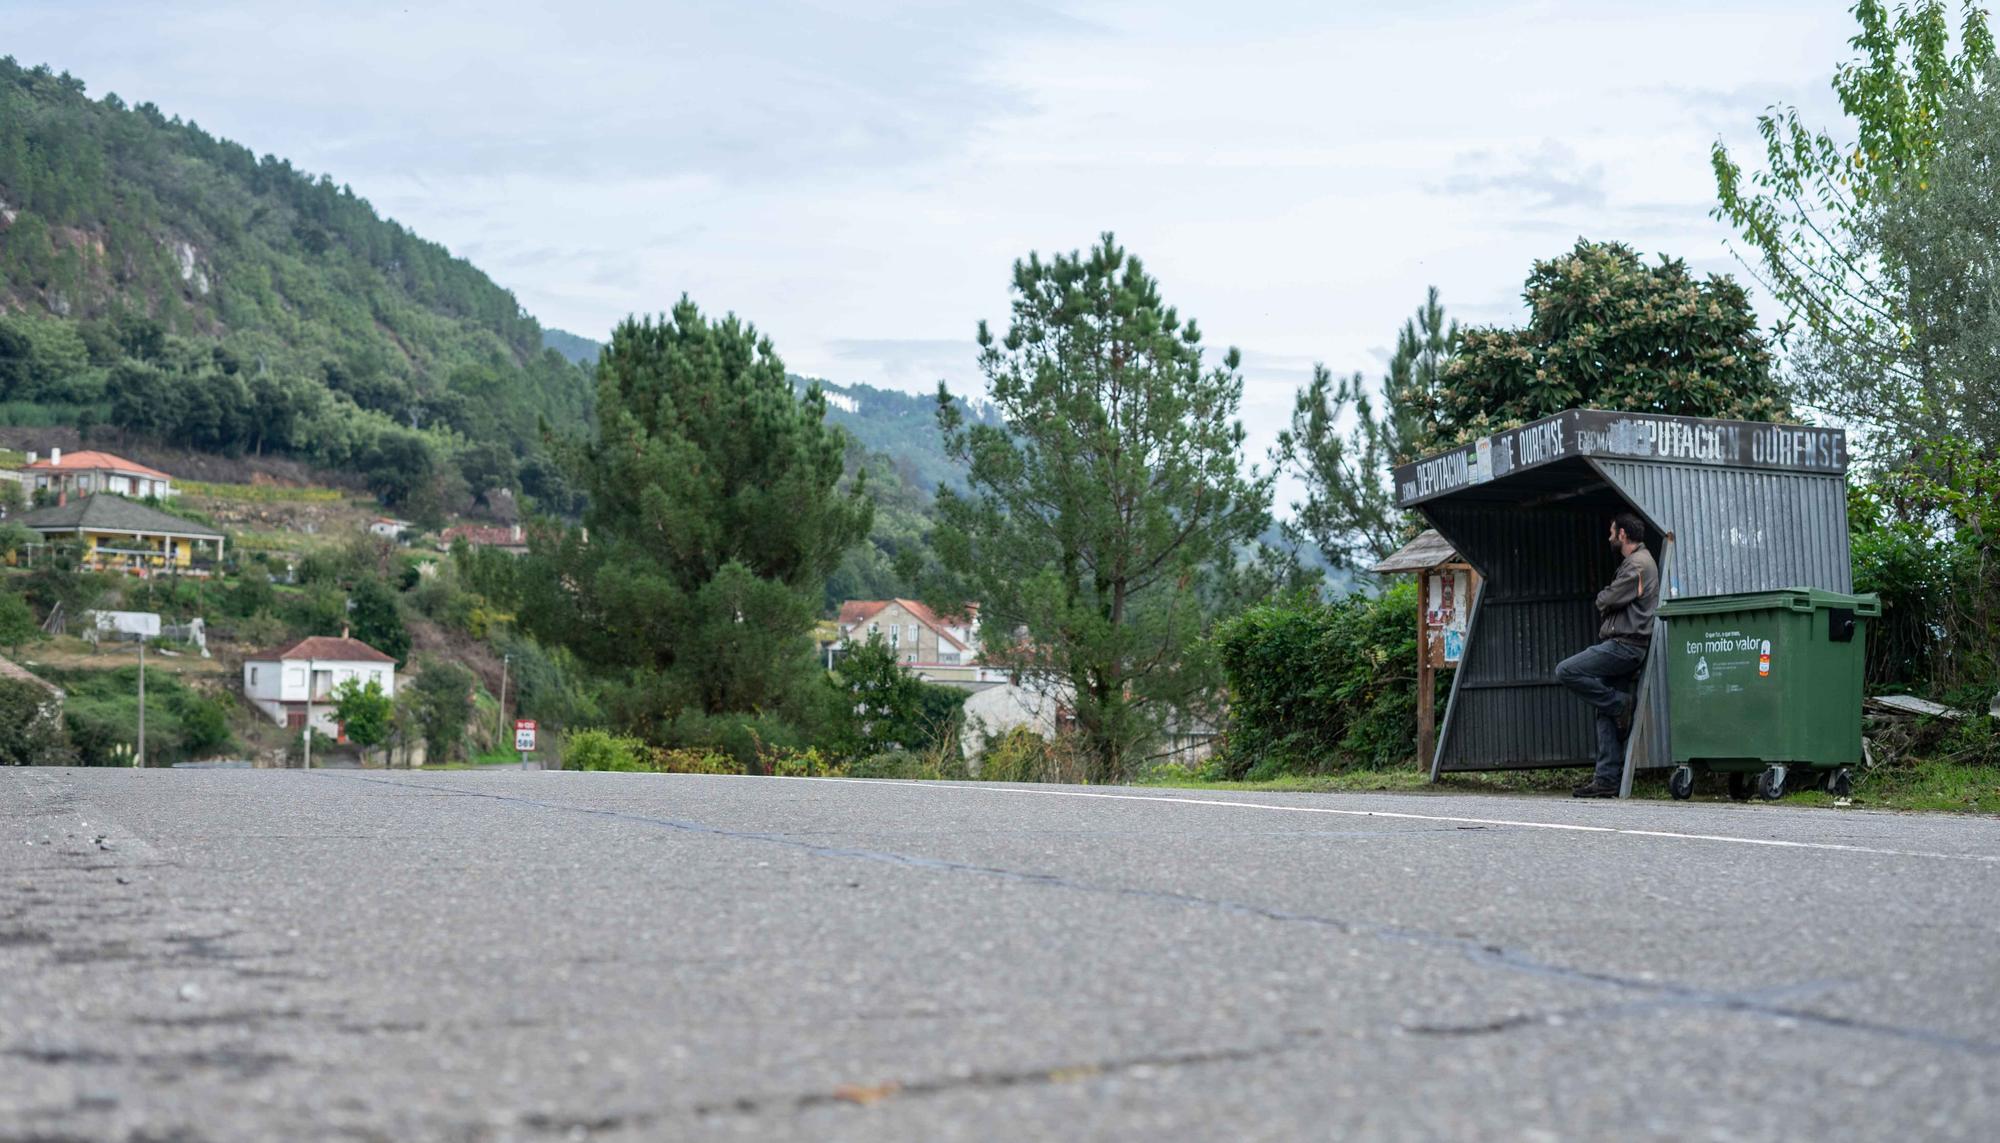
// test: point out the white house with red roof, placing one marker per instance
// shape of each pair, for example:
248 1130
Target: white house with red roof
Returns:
935 648
283 682
88 472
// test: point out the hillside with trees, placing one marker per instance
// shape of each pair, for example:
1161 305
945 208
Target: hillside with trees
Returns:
161 282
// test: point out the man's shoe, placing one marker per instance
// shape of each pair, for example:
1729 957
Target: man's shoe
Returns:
1592 789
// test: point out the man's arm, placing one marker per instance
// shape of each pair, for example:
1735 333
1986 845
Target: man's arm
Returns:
1627 586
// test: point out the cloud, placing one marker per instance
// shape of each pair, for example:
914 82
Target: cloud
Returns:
912 364
778 90
1550 177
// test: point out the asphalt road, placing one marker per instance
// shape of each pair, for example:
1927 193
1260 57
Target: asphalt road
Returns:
228 955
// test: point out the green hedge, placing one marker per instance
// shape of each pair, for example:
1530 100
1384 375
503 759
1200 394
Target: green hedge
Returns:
1317 687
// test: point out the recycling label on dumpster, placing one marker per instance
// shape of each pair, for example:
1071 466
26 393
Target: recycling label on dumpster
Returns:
1725 662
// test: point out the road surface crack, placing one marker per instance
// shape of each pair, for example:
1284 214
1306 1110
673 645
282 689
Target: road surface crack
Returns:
869 1094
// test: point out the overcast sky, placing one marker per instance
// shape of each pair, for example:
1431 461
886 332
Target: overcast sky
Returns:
857 178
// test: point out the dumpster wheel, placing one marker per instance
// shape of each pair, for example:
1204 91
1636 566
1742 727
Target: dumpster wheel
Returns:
1681 783
1841 783
1771 783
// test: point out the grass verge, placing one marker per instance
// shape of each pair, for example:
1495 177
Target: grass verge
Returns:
1925 785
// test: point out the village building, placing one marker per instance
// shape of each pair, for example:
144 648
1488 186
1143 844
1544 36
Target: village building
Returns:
287 682
510 539
88 472
934 648
125 535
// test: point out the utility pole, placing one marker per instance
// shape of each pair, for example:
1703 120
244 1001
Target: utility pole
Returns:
139 758
504 660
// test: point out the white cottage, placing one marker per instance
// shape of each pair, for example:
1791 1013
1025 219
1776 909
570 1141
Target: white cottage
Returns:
283 682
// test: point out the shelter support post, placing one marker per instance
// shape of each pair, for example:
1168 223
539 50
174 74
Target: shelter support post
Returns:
1426 680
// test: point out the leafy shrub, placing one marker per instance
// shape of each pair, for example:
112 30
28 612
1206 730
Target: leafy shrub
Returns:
895 764
1316 687
807 763
1926 537
30 732
603 750
204 724
260 630
689 761
942 762
746 738
1021 755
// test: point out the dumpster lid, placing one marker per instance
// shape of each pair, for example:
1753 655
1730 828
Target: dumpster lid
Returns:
1784 598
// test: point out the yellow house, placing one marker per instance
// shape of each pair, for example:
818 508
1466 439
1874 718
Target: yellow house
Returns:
124 535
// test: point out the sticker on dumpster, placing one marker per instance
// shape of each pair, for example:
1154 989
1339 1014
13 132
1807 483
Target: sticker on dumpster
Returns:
1724 660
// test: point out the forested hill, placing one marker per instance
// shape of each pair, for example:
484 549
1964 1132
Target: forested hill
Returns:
901 427
161 281
577 348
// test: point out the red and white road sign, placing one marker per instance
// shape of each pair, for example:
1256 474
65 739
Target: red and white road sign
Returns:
524 734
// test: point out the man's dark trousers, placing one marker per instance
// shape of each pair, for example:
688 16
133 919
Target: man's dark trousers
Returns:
1592 673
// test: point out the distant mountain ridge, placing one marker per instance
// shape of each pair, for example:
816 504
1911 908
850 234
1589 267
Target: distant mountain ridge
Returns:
577 348
901 427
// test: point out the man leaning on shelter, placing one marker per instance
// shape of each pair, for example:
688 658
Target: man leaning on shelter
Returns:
1598 673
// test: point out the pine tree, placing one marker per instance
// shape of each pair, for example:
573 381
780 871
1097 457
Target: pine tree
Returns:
714 521
1349 511
1102 520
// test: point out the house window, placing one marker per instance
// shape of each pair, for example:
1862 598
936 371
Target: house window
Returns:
895 636
874 628
253 676
376 676
947 656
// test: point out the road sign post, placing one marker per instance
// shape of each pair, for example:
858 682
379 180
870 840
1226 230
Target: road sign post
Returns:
524 739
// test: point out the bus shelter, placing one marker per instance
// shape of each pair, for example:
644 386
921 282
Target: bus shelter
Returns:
1730 506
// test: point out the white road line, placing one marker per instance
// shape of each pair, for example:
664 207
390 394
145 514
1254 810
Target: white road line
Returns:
1772 843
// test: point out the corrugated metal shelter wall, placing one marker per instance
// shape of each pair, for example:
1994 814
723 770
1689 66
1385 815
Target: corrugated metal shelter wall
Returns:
1545 565
1734 530
1741 529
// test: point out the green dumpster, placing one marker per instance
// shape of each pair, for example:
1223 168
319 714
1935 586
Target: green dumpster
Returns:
1766 684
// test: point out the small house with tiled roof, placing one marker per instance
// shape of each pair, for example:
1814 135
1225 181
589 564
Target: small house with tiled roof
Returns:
510 539
288 682
88 472
125 535
943 649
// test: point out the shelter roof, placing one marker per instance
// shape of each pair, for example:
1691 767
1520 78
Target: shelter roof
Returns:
1586 435
1427 551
